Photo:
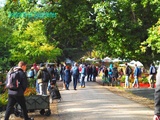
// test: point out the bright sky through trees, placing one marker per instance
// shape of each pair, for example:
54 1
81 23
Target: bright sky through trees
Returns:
2 3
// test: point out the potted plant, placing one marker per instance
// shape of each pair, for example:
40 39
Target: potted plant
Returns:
122 81
144 82
3 101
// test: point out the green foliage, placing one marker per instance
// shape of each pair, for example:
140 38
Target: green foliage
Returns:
4 98
122 26
113 28
123 79
153 40
32 44
144 80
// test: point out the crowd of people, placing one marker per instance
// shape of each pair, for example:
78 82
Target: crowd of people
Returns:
78 73
43 75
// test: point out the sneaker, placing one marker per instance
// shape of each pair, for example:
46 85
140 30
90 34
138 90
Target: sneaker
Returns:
156 117
31 118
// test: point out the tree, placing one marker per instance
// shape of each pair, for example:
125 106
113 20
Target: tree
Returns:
122 26
32 45
71 27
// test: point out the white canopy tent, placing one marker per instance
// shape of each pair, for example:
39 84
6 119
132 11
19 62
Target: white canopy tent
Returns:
91 59
107 59
116 60
133 62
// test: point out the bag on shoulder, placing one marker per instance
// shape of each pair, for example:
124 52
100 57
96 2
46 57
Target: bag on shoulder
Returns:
154 70
129 70
31 74
139 71
45 76
13 80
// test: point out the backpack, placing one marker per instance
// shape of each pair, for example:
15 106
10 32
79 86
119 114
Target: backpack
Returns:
84 71
75 71
31 74
129 70
115 72
45 76
139 71
154 70
13 80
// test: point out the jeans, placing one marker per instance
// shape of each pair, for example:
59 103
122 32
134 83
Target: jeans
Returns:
94 77
89 77
127 81
82 81
67 85
12 100
37 87
151 80
75 80
43 88
135 81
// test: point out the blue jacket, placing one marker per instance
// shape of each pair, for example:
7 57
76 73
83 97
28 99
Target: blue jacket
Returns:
84 72
67 76
75 71
136 71
110 69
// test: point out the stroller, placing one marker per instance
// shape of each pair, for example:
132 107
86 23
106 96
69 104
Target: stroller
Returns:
54 91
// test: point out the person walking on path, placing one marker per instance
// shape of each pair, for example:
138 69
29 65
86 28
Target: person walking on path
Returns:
105 75
94 73
83 75
67 77
62 74
136 74
110 72
18 95
128 71
157 97
43 77
75 74
152 75
114 76
36 69
89 72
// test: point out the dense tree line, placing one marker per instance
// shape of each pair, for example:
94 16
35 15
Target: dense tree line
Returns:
128 29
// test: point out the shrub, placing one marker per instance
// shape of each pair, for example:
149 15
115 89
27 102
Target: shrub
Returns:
144 80
122 79
4 98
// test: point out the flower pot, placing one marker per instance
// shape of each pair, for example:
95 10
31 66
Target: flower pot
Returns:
144 85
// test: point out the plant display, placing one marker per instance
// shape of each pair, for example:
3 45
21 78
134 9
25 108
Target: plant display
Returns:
30 91
144 80
3 98
31 82
122 79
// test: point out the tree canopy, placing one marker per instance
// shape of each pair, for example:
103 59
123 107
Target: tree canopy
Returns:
52 30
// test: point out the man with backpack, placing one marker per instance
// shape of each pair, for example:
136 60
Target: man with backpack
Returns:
16 91
136 75
114 76
128 72
43 77
152 75
75 74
